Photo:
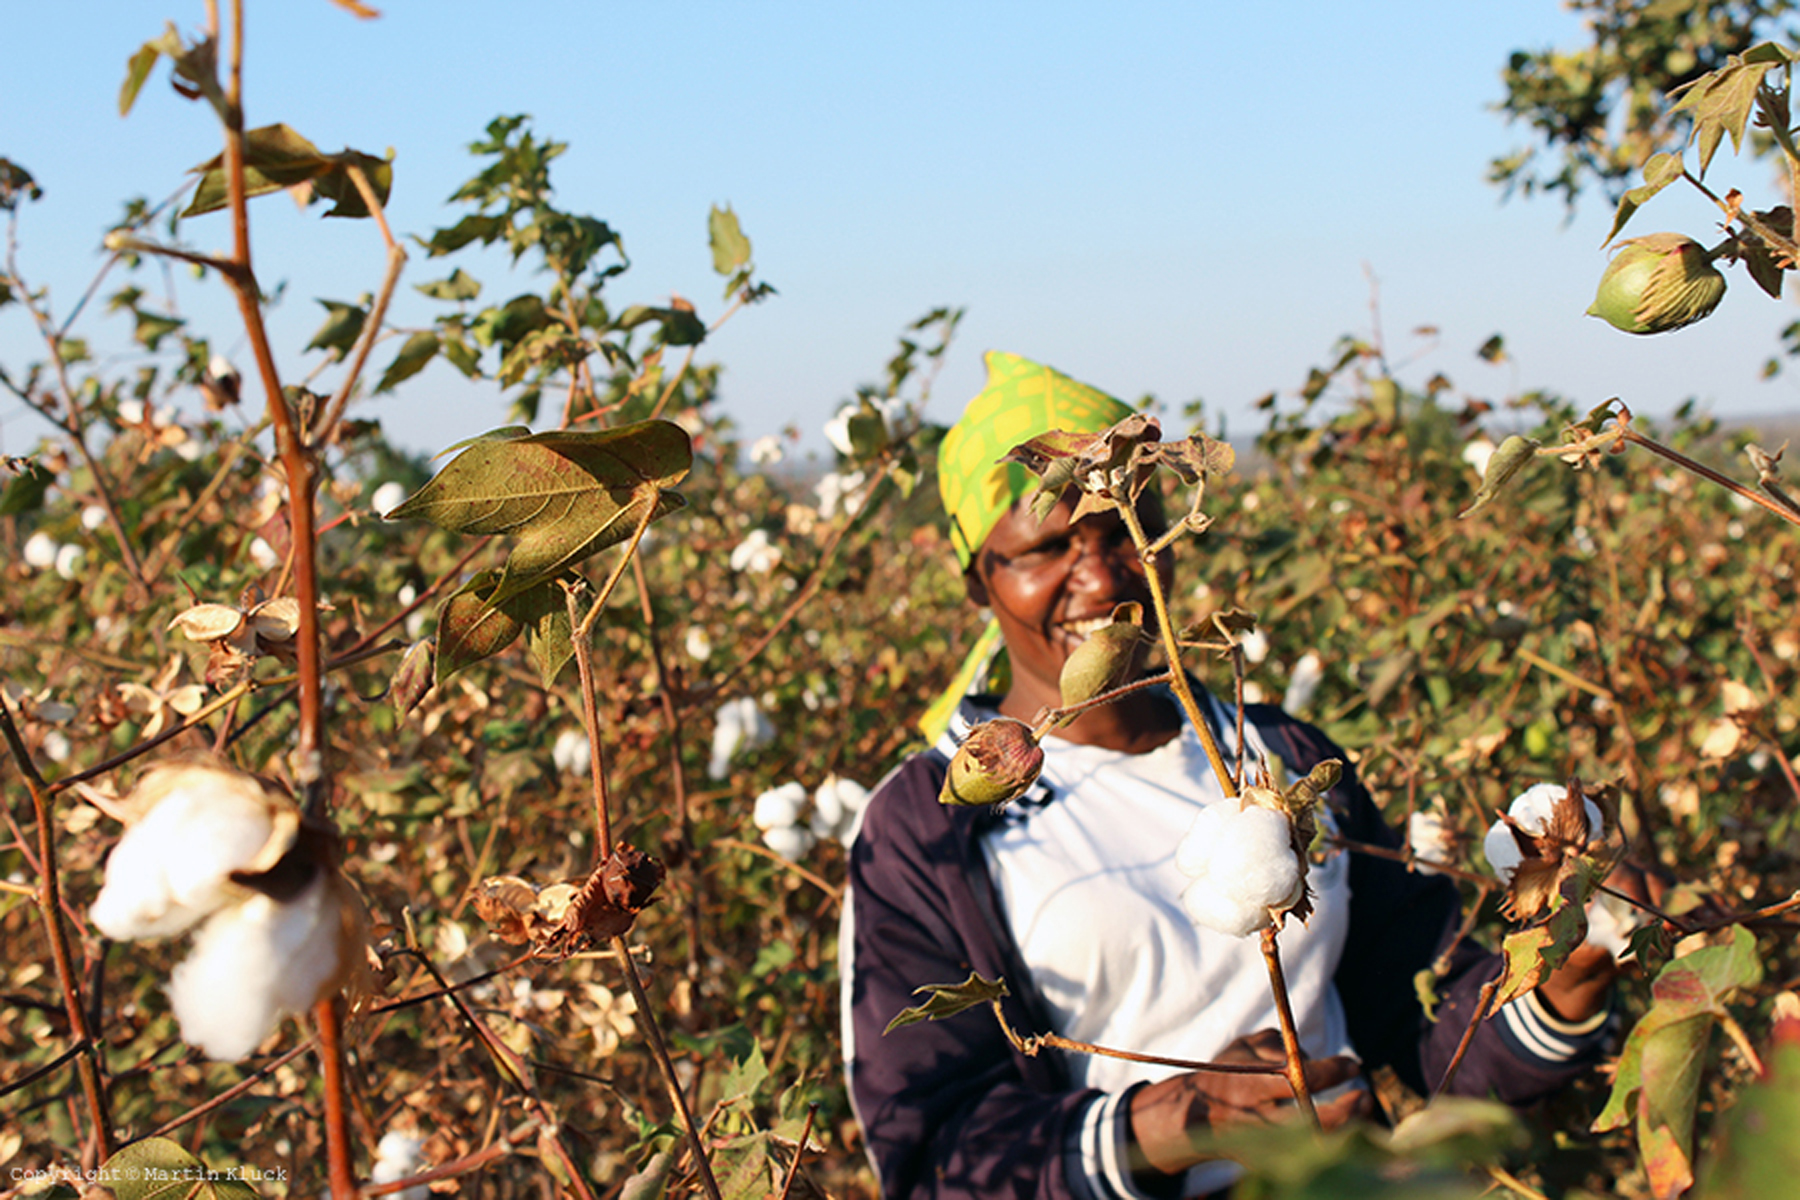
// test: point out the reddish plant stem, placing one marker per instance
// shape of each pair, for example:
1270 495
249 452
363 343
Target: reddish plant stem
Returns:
231 1093
302 480
49 903
329 1017
1295 1067
458 1166
660 1051
793 1171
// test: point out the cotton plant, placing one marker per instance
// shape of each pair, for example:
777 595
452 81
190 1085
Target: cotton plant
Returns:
1430 838
863 427
739 726
840 492
200 848
1549 835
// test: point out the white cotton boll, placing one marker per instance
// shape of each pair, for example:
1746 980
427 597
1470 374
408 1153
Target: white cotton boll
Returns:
790 841
1532 809
835 806
839 492
741 726
131 411
1429 837
778 807
1256 646
70 560
170 869
397 1156
572 754
56 746
1309 672
766 451
93 517
388 497
264 555
1242 864
837 431
251 964
699 646
1208 906
756 553
40 550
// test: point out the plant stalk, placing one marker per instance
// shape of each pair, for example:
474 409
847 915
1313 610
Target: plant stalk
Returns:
1295 1067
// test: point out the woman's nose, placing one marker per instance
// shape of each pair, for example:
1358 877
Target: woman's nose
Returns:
1102 562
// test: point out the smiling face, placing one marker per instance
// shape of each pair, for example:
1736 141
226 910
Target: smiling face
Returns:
1052 584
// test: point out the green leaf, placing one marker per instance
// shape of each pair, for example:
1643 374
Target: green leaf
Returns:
1659 173
137 69
159 1169
343 325
1754 1153
948 999
680 326
550 637
152 328
1721 101
564 495
1665 1054
25 491
418 350
460 286
730 248
472 228
473 625
277 158
462 356
746 1077
1533 953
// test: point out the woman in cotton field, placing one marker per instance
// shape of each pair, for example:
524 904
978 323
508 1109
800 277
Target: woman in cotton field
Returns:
1073 895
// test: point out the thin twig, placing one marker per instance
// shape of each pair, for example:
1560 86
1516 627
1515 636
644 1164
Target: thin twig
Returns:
661 1053
1486 998
1290 1035
233 1092
793 1171
1030 1044
824 885
396 262
49 904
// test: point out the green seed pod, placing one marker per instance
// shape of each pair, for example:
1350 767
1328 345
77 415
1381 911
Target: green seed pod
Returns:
1106 659
996 763
1658 283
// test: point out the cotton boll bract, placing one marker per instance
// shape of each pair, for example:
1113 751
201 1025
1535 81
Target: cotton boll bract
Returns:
1532 809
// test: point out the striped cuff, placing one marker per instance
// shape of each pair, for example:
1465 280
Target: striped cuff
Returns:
1097 1157
1538 1035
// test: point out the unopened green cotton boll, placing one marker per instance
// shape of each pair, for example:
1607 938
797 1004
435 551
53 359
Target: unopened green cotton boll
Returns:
1103 662
1658 283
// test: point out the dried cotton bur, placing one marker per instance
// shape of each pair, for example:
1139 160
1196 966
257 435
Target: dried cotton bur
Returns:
205 841
561 919
236 636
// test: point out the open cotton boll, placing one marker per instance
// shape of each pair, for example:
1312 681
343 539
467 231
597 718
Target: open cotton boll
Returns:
835 805
790 841
1242 863
254 962
572 755
397 1156
171 867
1532 809
778 807
1429 837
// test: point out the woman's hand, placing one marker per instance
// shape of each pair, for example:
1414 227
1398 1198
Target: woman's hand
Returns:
1165 1116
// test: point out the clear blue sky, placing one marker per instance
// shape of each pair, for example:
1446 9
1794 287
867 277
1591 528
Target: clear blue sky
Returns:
1179 198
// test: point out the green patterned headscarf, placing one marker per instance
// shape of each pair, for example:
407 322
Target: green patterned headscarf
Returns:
1021 400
